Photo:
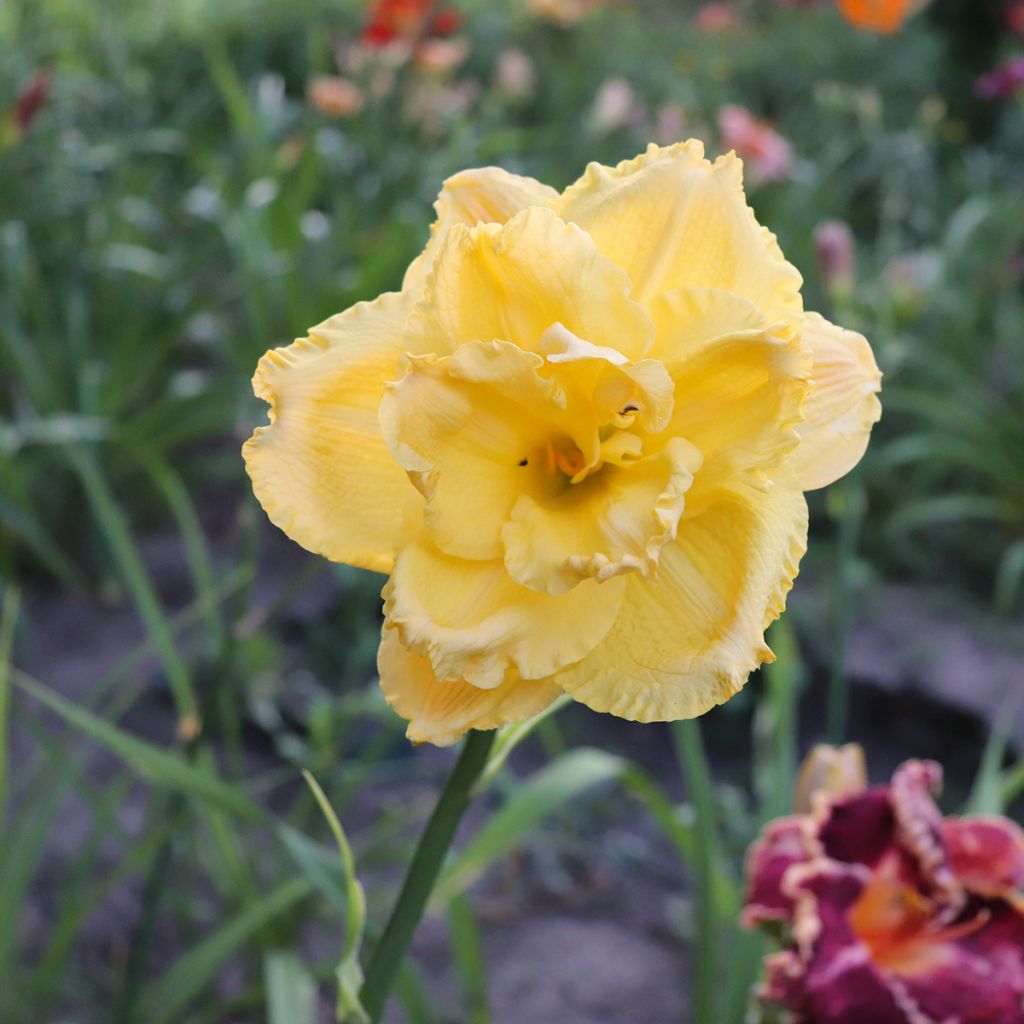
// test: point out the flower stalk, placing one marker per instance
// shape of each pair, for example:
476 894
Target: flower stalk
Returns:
423 871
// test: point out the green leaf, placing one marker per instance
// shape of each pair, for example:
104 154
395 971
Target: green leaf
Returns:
8 620
175 773
550 788
163 1000
511 736
151 762
987 794
291 989
133 570
468 950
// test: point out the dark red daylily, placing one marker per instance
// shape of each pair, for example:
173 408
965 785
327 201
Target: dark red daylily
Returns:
893 914
391 20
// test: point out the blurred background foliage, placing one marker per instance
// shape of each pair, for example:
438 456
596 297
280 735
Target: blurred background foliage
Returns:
198 182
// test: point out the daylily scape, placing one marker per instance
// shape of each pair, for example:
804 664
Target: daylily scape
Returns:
577 440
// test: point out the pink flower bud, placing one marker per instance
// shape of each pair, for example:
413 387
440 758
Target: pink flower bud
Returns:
837 255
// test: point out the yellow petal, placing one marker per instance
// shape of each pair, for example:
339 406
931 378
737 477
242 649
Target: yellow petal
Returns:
738 390
321 469
480 195
686 319
615 521
671 219
474 622
467 427
688 640
513 282
840 408
604 387
442 712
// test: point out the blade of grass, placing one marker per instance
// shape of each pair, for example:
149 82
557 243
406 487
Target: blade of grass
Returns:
775 744
848 507
469 961
693 759
291 989
132 569
987 794
350 971
1013 784
511 736
156 765
173 772
541 795
164 999
8 620
20 854
412 995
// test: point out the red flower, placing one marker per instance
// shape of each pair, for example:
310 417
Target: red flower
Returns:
30 101
391 20
1014 15
897 915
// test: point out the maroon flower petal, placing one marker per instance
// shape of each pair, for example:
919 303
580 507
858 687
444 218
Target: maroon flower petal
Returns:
782 844
859 829
976 977
840 984
986 854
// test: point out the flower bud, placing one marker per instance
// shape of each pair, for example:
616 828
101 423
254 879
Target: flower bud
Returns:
837 256
837 771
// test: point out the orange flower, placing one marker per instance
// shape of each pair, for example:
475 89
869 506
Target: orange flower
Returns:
885 16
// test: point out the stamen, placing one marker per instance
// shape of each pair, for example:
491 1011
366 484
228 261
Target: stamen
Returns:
570 464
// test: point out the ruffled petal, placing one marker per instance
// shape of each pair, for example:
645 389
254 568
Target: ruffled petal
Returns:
442 712
513 282
479 195
613 522
474 622
986 854
841 406
782 843
470 429
672 220
833 980
688 639
739 389
321 469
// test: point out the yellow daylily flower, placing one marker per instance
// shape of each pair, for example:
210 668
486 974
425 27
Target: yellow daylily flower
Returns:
577 440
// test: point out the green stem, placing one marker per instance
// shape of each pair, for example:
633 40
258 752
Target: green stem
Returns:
422 874
690 748
851 498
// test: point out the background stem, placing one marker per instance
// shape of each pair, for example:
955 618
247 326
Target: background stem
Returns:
692 756
422 874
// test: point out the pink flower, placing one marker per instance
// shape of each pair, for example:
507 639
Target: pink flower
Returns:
1002 83
715 17
766 153
897 915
